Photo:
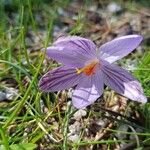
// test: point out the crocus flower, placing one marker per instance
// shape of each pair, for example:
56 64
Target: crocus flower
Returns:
89 68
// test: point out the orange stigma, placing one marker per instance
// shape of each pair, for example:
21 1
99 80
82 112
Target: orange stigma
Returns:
88 69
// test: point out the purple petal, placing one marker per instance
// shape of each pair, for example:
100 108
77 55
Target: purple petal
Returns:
72 51
87 92
59 79
122 82
81 45
98 81
119 47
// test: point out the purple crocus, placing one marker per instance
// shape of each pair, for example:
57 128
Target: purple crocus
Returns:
89 68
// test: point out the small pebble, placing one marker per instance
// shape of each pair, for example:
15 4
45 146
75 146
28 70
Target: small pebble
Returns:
79 114
113 7
2 96
122 128
75 128
74 137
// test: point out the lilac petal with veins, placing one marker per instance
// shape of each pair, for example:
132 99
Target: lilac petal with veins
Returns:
98 81
72 51
80 45
59 79
122 82
119 47
59 54
86 92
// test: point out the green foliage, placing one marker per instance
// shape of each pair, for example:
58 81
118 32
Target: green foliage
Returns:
145 111
144 2
143 73
23 146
